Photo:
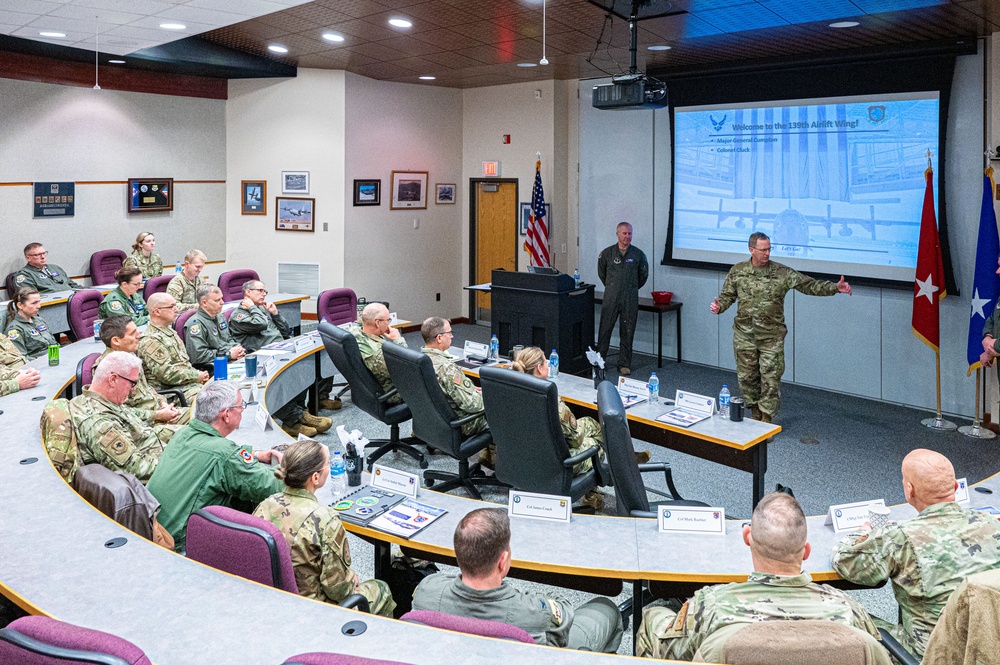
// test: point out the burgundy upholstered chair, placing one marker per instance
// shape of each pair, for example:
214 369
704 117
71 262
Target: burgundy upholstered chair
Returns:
182 319
338 306
82 309
9 285
104 264
156 285
231 283
40 640
84 372
460 624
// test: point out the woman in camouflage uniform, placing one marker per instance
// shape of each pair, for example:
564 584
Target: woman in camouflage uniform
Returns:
143 258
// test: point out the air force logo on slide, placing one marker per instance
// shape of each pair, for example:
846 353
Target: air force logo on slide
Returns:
717 124
876 114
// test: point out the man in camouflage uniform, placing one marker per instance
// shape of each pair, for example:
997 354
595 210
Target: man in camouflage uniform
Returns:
776 590
119 333
759 328
41 275
13 375
623 270
371 334
109 433
201 467
59 438
479 590
926 557
461 393
184 286
164 359
207 332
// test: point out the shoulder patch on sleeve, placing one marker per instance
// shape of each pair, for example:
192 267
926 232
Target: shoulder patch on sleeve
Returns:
195 329
12 334
19 279
458 379
246 456
115 305
556 609
240 316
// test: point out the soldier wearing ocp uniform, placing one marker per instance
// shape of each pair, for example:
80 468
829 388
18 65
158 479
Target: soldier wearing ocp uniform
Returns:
11 360
184 285
165 361
459 390
374 331
146 402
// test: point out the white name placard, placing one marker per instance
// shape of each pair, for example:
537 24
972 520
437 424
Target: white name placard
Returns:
476 350
691 519
262 418
395 480
540 506
632 386
270 367
393 319
850 516
962 493
303 343
694 402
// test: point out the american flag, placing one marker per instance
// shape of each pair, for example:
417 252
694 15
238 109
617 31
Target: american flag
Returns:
538 230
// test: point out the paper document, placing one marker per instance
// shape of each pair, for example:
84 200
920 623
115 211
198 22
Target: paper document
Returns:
408 518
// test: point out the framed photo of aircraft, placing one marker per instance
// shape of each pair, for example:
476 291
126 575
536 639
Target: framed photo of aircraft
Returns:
253 197
409 190
295 182
294 214
367 192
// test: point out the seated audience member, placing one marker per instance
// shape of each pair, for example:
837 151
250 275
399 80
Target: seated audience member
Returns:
201 467
479 590
25 328
41 275
371 334
109 433
257 323
777 589
126 299
207 334
968 631
14 375
184 286
458 389
165 361
926 557
119 333
143 258
320 552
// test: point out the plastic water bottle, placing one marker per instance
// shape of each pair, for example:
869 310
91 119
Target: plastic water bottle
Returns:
654 389
177 268
494 354
724 401
553 364
576 277
338 474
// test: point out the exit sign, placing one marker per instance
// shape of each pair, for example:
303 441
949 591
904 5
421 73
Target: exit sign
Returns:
491 169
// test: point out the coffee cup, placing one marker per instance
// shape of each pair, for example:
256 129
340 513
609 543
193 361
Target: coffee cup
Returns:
878 515
516 351
353 465
736 409
250 363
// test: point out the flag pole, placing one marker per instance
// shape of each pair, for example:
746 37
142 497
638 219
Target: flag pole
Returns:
976 430
938 422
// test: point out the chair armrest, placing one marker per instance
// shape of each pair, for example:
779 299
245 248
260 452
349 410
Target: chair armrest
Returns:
461 421
385 397
896 649
358 601
653 466
643 513
570 462
176 393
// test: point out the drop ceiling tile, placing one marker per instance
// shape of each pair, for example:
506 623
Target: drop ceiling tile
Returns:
188 14
149 30
61 24
16 18
381 70
440 14
452 60
285 23
881 6
90 15
422 65
410 46
34 6
357 8
751 16
302 44
368 31
318 14
808 11
529 24
447 39
486 32
130 6
679 27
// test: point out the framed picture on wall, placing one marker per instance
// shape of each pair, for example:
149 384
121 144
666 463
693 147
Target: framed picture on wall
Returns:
409 190
526 217
367 192
444 193
253 197
295 182
149 194
294 214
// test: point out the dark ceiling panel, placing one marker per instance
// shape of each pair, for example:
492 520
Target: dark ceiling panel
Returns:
410 46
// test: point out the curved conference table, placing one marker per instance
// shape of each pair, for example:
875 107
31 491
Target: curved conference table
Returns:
55 561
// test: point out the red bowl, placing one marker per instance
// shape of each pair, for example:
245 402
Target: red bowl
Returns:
662 297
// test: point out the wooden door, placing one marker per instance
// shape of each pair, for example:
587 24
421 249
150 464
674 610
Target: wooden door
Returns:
495 232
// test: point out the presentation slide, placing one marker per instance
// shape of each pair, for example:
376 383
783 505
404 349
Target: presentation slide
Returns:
837 184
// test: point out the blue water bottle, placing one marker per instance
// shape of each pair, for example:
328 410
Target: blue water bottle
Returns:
221 367
494 354
654 389
177 268
338 474
553 364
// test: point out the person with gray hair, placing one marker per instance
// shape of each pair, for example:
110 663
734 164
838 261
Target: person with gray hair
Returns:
776 590
184 286
479 590
201 467
206 334
374 331
110 433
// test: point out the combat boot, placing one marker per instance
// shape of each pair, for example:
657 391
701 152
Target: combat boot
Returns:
593 499
299 428
319 423
331 404
641 456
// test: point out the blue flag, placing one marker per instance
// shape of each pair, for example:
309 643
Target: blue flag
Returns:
986 285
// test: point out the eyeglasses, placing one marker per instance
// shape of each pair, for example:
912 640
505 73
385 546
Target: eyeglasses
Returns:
385 320
134 383
264 291
241 407
446 332
174 306
36 255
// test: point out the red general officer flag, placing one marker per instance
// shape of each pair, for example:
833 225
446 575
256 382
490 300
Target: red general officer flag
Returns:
928 288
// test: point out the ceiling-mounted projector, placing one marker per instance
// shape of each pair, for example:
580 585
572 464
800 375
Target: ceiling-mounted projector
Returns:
634 93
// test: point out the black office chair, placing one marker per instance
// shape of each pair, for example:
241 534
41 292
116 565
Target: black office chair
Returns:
532 455
367 393
630 493
434 421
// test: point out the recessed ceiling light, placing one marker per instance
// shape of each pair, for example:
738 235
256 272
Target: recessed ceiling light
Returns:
116 62
277 48
400 23
659 47
173 26
845 24
527 64
52 34
333 37
428 78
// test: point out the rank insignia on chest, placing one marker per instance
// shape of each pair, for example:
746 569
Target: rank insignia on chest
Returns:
617 261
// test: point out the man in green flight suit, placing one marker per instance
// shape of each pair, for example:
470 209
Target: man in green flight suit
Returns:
623 270
164 359
41 275
458 389
776 590
201 467
479 590
759 328
207 332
